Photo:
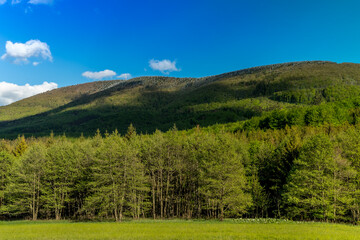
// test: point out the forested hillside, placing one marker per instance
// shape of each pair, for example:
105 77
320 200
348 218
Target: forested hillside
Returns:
277 141
152 103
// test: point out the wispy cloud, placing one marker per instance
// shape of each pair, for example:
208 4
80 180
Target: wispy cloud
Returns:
10 92
36 2
165 66
32 2
22 52
124 76
99 75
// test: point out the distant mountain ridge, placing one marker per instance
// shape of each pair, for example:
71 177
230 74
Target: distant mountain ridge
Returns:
152 103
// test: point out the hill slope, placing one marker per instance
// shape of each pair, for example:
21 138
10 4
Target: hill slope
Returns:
51 100
160 102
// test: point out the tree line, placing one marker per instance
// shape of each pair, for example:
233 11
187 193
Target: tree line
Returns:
300 173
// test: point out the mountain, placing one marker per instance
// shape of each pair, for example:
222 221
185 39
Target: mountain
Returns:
151 103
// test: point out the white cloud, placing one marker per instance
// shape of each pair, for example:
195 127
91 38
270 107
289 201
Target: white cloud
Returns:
35 2
10 92
21 52
35 64
125 76
99 75
165 66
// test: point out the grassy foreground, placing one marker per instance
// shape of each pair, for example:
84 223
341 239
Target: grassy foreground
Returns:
230 229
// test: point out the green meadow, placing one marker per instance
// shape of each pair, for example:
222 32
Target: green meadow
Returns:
177 229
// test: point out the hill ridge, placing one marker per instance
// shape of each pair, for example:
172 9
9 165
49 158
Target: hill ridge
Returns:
159 102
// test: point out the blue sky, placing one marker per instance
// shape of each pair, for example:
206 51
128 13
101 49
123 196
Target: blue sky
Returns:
197 38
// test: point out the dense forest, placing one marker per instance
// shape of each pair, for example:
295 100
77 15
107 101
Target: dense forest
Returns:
301 173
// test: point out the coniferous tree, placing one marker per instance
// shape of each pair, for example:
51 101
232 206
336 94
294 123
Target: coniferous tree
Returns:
309 187
115 170
60 172
26 183
225 185
20 147
5 169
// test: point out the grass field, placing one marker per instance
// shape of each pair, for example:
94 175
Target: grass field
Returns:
176 229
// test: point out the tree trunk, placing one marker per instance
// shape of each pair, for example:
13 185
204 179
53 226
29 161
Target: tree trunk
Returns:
153 194
167 193
221 211
121 208
161 195
34 199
